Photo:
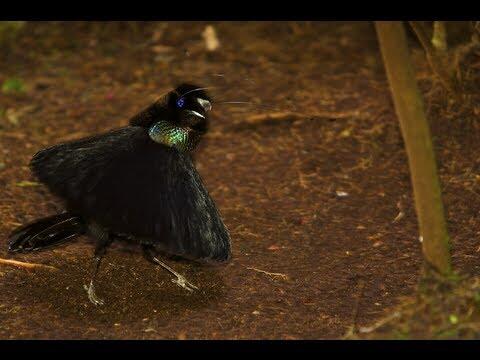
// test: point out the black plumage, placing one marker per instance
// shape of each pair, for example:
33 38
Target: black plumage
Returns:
137 183
133 186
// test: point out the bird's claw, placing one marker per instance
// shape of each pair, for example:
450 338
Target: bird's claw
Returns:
94 299
184 283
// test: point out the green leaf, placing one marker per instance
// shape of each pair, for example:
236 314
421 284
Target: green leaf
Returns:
476 298
447 334
27 183
453 319
13 85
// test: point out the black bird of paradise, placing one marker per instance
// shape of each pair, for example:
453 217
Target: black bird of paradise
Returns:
136 183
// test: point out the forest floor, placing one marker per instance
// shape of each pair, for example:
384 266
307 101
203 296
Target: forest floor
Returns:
317 199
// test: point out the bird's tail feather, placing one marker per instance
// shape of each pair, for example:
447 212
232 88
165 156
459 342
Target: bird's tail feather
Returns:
46 232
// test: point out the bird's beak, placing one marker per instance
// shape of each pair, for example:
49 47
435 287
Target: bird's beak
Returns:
195 113
194 120
205 104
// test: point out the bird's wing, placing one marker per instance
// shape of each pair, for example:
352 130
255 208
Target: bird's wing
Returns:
73 168
133 186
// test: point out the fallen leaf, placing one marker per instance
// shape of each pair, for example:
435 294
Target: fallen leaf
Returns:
211 39
341 193
161 49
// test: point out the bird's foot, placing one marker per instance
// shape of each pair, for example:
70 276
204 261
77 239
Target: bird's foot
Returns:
184 283
94 299
180 280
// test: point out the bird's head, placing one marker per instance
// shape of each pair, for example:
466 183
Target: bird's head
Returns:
189 106
181 119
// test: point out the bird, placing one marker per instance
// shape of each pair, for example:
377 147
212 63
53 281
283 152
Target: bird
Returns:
137 183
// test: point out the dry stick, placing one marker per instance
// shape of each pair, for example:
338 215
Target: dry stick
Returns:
418 143
462 51
401 214
438 60
439 38
25 265
351 331
255 119
384 321
285 277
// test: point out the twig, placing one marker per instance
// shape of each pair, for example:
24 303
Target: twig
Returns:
351 330
438 60
461 53
439 37
369 329
25 265
260 119
255 119
285 277
401 214
421 31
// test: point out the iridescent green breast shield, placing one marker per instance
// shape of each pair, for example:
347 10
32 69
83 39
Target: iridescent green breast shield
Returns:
181 138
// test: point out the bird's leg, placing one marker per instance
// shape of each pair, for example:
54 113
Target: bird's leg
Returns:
149 254
103 241
92 296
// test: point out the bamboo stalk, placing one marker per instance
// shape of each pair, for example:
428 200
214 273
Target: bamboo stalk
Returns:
416 135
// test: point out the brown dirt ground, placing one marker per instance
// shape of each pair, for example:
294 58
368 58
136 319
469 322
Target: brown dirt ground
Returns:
276 183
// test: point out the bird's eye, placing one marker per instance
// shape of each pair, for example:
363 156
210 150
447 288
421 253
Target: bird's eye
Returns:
180 102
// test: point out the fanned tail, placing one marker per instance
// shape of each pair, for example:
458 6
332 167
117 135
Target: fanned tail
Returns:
46 232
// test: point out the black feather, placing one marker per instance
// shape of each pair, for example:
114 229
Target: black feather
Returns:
138 189
46 232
